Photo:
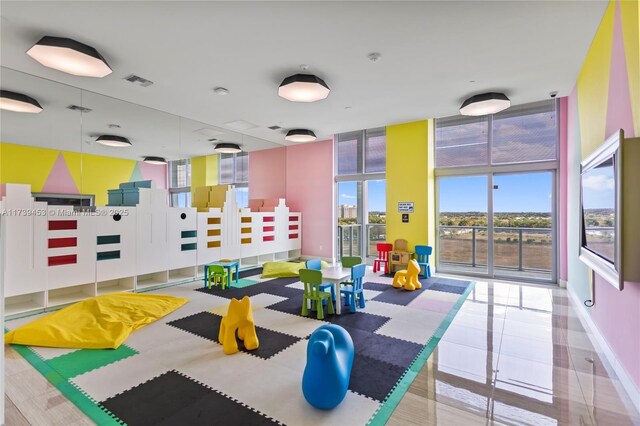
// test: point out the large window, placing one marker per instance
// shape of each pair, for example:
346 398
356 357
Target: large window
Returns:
361 166
496 179
180 183
234 170
520 134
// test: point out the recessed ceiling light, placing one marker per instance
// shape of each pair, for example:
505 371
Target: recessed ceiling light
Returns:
209 132
115 141
303 88
485 103
155 160
17 102
114 126
221 91
79 108
70 56
227 148
140 81
300 135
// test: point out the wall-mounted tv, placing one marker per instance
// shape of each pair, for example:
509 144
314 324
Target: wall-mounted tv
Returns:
610 210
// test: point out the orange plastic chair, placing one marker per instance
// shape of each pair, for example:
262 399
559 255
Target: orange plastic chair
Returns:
383 257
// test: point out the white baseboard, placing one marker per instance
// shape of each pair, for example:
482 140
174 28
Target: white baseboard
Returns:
627 383
562 283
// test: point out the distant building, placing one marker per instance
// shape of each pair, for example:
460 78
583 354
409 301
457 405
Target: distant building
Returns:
347 211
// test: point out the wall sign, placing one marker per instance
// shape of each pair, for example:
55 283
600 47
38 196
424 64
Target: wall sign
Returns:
405 217
405 206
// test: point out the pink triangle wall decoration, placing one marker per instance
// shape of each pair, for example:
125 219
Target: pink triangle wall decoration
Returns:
619 112
60 179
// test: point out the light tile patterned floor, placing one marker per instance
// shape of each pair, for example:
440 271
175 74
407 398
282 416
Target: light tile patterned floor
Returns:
515 354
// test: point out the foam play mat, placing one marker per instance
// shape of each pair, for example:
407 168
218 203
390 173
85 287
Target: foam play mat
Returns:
174 371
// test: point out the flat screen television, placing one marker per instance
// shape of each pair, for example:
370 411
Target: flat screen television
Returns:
609 206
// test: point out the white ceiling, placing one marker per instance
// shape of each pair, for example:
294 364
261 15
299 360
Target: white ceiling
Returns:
434 55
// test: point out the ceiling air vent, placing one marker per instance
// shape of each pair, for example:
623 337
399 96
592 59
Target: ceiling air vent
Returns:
79 108
212 140
135 79
275 127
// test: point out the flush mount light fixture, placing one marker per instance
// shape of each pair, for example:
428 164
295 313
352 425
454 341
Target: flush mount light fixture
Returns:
155 160
303 88
300 135
112 140
70 56
486 103
17 102
227 148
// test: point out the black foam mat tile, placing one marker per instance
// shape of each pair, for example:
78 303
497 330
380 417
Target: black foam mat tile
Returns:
373 378
377 286
207 326
447 288
276 286
384 348
398 296
357 320
172 399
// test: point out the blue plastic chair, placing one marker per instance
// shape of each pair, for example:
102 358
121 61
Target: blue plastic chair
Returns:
354 288
422 256
316 264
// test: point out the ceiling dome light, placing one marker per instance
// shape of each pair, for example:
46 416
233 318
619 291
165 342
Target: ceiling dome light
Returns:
70 56
300 135
303 88
227 148
12 101
155 160
486 103
111 140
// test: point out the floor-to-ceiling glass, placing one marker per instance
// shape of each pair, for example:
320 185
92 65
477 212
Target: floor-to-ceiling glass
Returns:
376 214
349 218
523 225
462 224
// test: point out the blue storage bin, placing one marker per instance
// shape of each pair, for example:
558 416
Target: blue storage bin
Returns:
130 197
115 197
142 184
127 185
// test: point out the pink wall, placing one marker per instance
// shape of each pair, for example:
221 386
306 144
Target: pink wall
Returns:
562 193
156 172
310 188
267 173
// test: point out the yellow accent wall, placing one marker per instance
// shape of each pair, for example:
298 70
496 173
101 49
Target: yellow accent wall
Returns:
26 164
410 178
204 172
92 174
630 14
593 85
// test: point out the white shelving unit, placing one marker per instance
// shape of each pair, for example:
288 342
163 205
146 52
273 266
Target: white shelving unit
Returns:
52 260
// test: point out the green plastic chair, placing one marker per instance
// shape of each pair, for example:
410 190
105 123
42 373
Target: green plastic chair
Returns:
350 261
312 280
217 275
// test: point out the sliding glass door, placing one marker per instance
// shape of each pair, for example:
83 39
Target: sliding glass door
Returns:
498 225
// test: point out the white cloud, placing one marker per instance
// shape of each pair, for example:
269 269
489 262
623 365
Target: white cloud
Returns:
347 196
599 182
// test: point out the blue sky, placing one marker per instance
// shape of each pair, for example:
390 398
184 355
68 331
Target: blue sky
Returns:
599 188
530 192
377 194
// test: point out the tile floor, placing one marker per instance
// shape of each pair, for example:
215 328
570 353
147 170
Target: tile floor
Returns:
514 354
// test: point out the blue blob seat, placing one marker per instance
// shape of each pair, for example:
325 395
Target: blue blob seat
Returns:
329 360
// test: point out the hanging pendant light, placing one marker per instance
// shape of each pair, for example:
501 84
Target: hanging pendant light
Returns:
112 140
486 103
17 102
300 135
303 88
155 160
70 56
227 148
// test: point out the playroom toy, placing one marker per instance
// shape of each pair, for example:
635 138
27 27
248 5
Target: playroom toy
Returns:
312 281
329 360
408 278
400 256
353 289
422 256
239 317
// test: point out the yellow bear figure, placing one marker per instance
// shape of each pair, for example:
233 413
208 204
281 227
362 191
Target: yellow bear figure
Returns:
239 317
408 278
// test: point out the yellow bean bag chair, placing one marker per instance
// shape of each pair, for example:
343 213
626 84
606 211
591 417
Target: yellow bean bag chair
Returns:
102 322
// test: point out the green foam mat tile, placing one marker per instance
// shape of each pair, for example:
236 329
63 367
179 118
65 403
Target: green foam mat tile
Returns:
84 360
